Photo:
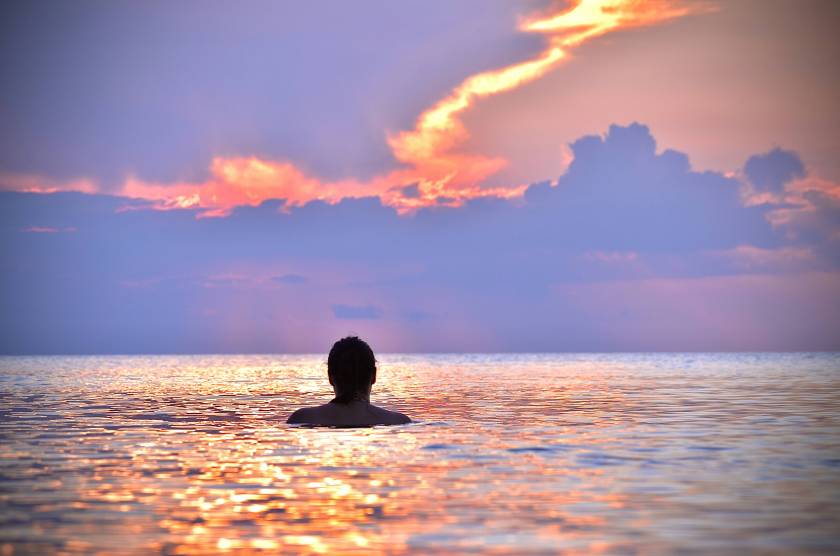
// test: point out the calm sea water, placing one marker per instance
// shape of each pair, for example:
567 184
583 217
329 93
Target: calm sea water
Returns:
576 454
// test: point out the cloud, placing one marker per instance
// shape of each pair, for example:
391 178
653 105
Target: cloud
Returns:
611 257
619 194
805 208
431 155
47 230
772 170
290 279
356 312
432 146
34 183
628 241
410 191
225 281
751 258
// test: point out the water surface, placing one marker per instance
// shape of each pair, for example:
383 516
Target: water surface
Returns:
574 454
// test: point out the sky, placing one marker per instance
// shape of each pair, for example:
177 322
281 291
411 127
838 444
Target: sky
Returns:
467 175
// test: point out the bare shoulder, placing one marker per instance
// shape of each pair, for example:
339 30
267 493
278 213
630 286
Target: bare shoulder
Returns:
341 416
305 415
388 417
299 416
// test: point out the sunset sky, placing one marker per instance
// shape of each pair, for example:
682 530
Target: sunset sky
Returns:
465 175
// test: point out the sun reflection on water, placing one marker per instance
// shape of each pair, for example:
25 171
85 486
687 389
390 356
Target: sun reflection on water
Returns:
580 454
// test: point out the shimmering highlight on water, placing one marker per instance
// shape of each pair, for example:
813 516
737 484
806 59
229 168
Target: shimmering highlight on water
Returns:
577 454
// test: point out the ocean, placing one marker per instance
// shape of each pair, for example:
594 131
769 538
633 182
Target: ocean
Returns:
524 454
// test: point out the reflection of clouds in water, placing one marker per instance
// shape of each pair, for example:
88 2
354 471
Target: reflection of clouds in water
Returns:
581 453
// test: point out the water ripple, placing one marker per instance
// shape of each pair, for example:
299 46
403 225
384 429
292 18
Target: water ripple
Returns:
578 454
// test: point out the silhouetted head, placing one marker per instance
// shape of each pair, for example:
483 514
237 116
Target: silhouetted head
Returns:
351 367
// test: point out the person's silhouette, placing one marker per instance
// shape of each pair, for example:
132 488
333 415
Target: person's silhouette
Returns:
351 369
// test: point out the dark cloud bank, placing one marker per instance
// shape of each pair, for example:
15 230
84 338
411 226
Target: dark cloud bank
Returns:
629 250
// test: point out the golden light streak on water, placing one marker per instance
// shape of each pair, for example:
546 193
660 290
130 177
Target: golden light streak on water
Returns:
582 454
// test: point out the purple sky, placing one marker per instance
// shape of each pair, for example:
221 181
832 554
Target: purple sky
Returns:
667 183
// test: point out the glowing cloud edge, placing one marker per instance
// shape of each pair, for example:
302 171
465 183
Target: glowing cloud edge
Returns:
439 173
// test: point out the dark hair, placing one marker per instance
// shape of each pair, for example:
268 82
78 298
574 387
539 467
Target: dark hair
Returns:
351 365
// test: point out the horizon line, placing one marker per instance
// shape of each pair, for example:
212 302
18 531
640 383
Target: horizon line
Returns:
386 353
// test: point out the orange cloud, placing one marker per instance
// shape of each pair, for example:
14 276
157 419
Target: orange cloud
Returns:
245 181
795 200
432 161
31 183
430 147
250 181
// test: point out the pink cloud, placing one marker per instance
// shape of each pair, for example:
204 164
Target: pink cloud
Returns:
611 257
749 257
47 230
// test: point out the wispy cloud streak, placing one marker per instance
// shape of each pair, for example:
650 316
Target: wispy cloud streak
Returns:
431 147
433 161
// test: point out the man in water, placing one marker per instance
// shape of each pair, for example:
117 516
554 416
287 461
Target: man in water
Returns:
351 368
